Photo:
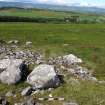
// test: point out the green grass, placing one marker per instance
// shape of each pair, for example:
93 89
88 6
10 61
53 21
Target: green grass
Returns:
33 13
85 40
45 13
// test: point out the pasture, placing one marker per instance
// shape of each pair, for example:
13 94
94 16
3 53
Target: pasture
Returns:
84 40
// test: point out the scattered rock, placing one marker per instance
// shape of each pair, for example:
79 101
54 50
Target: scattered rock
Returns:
43 76
66 60
27 91
81 72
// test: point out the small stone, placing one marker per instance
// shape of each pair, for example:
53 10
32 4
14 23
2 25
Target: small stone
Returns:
16 41
13 42
28 43
9 94
27 91
10 42
50 89
70 103
65 45
50 95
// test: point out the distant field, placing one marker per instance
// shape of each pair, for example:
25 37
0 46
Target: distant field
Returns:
84 40
31 13
43 13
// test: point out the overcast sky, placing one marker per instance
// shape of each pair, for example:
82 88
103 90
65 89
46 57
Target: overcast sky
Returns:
98 3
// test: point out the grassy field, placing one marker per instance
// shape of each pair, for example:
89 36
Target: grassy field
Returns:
45 13
84 40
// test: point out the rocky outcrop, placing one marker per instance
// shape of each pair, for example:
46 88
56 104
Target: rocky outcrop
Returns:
43 76
65 60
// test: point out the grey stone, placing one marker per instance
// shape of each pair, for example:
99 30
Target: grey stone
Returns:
27 91
70 103
13 71
43 76
13 42
71 59
28 43
9 94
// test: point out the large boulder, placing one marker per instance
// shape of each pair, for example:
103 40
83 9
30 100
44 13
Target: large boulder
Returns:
12 70
43 76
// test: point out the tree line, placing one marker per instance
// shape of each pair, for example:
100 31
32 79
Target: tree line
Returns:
72 19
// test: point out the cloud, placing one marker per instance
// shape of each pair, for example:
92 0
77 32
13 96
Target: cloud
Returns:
97 3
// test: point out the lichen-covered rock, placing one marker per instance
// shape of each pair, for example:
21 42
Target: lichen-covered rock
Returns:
43 76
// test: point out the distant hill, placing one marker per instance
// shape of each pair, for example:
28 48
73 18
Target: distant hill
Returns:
16 4
53 7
